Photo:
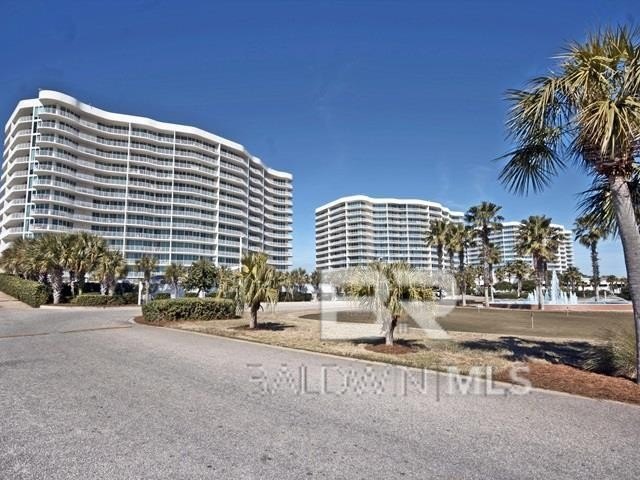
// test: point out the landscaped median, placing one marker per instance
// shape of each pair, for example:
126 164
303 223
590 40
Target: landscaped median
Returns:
553 364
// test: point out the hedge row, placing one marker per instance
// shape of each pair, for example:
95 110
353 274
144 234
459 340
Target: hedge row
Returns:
159 311
27 291
105 300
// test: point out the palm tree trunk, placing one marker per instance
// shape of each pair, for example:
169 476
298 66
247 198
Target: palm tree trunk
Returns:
539 280
463 280
630 237
80 277
519 287
595 270
253 320
104 287
56 285
388 340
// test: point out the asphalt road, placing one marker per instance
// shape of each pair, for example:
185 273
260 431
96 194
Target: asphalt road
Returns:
84 395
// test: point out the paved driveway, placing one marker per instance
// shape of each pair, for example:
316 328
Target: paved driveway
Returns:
86 395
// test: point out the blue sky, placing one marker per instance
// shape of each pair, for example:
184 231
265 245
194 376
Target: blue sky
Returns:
400 99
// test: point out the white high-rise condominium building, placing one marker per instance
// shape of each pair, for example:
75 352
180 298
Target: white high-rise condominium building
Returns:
357 230
505 241
149 188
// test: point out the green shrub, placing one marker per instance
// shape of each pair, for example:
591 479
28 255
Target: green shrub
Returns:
504 286
162 296
617 357
190 295
92 300
188 309
528 286
297 297
130 298
27 291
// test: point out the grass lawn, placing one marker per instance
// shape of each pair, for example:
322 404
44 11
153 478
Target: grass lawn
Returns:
578 325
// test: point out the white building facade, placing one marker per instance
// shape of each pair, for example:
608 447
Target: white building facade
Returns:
149 188
505 242
356 230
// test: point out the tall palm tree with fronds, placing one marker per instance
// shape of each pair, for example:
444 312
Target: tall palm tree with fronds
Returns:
589 235
111 266
538 238
485 218
437 236
173 275
465 239
586 110
146 265
384 288
83 256
47 253
15 258
259 284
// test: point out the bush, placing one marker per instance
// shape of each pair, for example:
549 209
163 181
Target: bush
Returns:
617 357
92 300
506 295
297 297
528 286
190 295
159 311
162 296
27 291
504 286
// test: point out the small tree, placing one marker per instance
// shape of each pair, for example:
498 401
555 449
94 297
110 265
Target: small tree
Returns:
110 267
146 265
259 284
173 275
202 275
384 288
521 270
315 278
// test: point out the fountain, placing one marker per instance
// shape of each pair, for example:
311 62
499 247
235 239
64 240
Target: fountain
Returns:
554 295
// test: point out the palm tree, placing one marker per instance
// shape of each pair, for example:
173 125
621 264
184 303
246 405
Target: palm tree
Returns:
521 270
111 266
47 252
15 259
315 278
572 278
173 275
84 255
384 287
588 235
612 281
259 284
437 237
587 110
493 257
536 237
146 265
596 203
461 239
485 219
